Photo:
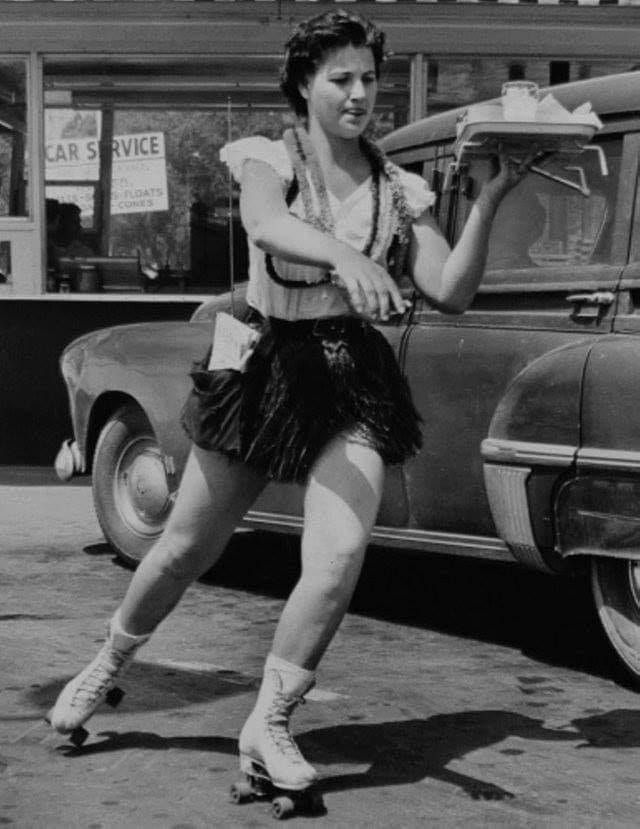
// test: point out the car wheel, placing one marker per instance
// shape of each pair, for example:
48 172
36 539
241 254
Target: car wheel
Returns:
131 491
616 590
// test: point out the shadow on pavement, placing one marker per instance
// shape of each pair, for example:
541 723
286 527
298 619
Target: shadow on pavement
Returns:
618 728
101 549
116 741
156 687
409 751
406 751
551 619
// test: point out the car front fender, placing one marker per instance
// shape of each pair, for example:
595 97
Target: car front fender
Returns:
148 363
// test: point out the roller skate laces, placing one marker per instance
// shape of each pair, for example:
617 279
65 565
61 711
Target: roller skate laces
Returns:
98 680
267 748
277 728
83 694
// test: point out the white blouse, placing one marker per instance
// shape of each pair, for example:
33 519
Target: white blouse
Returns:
352 224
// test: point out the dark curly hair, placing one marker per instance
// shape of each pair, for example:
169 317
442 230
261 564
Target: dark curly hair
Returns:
313 39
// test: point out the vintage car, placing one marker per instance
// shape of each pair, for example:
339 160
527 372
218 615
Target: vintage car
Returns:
530 400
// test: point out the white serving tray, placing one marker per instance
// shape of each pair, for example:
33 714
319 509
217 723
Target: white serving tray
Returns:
483 131
482 138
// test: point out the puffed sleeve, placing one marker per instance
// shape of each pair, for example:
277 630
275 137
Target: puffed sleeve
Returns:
416 191
258 148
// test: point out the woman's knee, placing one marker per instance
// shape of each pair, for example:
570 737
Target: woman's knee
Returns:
332 568
181 556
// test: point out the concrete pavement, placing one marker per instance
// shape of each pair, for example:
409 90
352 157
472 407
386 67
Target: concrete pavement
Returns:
456 693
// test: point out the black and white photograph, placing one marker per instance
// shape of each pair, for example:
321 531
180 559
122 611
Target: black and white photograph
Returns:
319 413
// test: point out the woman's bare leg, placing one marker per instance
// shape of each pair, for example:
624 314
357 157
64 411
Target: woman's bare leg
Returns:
214 495
341 504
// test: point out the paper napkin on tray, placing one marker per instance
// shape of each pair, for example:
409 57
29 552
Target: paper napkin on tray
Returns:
549 111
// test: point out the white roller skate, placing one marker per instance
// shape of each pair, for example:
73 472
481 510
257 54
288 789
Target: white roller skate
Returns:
271 761
97 682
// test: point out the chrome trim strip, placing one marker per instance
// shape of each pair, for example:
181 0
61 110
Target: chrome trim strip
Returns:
507 494
483 547
495 450
621 555
620 459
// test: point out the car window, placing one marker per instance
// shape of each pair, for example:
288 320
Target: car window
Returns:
542 223
434 168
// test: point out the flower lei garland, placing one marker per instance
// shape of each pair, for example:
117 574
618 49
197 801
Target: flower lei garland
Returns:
394 222
401 217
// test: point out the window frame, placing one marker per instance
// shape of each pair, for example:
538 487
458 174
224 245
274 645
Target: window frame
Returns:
26 234
589 276
28 220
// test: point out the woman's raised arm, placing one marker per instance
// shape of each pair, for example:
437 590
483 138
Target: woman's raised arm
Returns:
450 278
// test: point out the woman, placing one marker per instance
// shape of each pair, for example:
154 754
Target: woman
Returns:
322 400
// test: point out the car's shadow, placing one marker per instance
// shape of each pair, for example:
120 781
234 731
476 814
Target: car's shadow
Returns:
549 618
406 751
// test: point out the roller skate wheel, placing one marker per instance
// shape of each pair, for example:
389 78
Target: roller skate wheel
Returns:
241 792
282 807
114 697
315 803
78 736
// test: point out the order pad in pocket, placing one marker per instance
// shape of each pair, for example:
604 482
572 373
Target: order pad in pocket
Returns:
233 342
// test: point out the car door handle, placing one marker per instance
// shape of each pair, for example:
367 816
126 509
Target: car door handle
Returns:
590 305
595 298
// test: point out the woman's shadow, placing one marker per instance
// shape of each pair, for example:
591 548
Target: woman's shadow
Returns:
408 751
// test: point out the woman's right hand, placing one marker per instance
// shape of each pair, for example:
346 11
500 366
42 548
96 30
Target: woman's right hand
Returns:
369 288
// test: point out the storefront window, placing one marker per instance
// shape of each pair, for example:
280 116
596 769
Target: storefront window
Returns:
174 211
13 138
137 198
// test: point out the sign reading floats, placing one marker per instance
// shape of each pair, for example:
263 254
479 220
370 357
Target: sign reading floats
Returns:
139 171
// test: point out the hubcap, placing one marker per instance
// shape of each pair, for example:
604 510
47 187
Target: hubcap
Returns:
634 581
142 493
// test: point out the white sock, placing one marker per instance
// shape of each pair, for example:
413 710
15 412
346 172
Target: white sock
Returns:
116 629
293 676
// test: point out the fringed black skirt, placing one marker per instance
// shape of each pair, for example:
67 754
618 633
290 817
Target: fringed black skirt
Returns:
306 382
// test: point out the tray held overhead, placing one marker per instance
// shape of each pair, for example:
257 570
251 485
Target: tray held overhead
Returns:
484 131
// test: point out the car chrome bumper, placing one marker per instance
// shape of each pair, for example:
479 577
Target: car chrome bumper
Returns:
507 493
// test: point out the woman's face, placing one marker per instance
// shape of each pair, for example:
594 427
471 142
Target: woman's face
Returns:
341 94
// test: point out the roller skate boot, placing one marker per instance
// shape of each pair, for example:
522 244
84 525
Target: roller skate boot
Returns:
272 763
97 682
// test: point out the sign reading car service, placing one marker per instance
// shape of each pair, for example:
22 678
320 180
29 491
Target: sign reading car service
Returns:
139 171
